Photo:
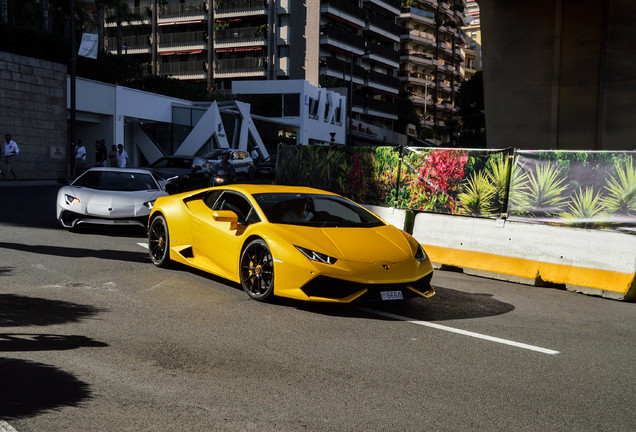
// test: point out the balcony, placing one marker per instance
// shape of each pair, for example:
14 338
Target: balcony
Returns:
389 5
248 66
418 58
339 68
340 38
383 27
241 36
140 12
383 54
181 11
130 44
416 78
419 37
376 107
193 69
379 80
181 41
345 10
229 8
418 15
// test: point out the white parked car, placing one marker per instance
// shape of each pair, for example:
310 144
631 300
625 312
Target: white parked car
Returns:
109 196
241 161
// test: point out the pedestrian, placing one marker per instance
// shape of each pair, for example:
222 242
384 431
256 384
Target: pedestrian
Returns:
101 154
10 150
255 155
80 158
122 156
112 156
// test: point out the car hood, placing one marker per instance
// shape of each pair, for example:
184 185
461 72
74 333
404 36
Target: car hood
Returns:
114 198
368 245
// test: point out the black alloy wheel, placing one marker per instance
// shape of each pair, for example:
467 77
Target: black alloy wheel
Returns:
257 270
158 238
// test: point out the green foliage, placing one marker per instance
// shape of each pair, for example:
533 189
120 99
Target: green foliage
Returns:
621 190
543 193
477 197
585 209
34 43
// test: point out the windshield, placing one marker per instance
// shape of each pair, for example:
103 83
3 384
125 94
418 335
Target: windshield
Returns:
315 210
174 162
117 181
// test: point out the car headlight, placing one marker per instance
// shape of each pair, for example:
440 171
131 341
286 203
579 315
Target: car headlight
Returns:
149 204
71 200
420 255
317 256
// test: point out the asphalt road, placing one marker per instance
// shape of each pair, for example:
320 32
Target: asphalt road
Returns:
93 337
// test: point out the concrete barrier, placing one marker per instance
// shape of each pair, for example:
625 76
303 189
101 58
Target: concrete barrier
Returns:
589 261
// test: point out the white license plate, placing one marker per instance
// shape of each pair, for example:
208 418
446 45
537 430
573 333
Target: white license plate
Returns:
391 295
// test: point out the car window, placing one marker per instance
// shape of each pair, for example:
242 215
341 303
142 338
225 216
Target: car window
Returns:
227 200
117 181
314 210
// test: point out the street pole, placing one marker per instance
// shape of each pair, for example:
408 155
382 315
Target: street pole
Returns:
73 61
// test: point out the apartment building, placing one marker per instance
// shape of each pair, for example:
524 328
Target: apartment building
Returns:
347 44
472 31
432 60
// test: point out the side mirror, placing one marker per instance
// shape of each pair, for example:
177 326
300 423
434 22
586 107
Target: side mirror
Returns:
226 216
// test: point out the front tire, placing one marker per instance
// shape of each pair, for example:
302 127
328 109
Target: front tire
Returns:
158 242
257 270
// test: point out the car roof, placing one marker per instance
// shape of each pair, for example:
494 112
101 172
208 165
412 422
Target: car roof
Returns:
116 169
252 189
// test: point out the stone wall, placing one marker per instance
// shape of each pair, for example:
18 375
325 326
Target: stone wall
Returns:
33 111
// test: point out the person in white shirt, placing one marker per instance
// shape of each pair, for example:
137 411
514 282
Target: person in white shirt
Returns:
10 150
80 158
122 156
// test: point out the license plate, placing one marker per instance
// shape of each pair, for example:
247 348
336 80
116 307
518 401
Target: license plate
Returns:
391 295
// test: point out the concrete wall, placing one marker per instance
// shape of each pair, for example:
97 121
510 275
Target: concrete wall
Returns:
593 262
33 111
558 74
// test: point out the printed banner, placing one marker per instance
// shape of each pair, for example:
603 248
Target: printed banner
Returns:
88 46
593 190
455 181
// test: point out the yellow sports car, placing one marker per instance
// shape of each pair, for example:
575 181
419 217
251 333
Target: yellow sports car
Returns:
287 241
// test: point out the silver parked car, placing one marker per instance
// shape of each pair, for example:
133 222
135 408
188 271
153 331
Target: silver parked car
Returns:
109 196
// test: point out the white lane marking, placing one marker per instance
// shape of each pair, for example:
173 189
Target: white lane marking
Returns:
143 245
6 427
462 332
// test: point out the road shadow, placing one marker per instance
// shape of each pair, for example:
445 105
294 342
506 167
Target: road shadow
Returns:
62 251
29 388
20 311
446 305
29 206
20 342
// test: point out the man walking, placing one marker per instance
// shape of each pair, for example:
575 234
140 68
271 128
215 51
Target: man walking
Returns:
122 156
9 151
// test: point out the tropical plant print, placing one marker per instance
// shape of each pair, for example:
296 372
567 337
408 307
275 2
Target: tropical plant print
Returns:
592 190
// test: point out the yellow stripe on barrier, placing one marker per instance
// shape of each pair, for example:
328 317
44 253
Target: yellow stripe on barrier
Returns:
548 272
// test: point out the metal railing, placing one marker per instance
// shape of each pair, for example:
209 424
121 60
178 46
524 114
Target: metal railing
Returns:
180 10
179 39
237 65
132 42
383 79
342 35
192 67
229 6
241 35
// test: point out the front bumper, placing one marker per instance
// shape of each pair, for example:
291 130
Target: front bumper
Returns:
69 219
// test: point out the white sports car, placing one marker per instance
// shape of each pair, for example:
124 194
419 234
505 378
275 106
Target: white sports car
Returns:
109 196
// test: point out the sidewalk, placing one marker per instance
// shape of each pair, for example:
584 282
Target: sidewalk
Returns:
18 183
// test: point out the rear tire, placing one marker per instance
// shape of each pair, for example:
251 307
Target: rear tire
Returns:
158 242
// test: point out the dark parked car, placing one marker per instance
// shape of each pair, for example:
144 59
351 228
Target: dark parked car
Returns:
183 173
